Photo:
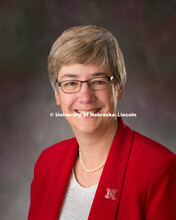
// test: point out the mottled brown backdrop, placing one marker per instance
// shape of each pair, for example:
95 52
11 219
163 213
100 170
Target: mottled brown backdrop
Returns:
146 31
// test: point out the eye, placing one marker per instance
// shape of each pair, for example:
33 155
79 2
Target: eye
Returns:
70 83
98 82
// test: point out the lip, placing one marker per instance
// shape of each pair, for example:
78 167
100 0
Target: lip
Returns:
87 112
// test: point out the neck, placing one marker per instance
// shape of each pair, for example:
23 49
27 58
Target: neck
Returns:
95 147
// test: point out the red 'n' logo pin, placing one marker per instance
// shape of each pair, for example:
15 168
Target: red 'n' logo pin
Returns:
111 194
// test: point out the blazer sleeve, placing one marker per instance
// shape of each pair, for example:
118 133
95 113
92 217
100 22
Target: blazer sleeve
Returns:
161 196
32 191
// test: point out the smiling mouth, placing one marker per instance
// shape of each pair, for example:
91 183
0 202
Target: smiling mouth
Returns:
87 113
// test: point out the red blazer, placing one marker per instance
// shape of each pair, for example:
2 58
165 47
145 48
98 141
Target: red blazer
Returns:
138 181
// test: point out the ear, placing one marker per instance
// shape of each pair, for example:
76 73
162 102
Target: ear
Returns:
120 92
57 98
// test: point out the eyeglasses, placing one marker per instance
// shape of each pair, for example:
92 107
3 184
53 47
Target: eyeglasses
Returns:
72 86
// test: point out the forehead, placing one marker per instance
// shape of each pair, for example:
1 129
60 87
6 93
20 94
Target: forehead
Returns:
81 70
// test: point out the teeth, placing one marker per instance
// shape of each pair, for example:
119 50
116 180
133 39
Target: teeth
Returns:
87 113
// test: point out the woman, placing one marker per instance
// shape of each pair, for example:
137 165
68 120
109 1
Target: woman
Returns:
108 171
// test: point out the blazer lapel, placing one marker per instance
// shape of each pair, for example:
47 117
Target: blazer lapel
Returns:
60 187
107 197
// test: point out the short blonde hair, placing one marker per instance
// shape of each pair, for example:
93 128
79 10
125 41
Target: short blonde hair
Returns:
86 45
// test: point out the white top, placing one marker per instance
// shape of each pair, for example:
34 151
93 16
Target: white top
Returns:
78 201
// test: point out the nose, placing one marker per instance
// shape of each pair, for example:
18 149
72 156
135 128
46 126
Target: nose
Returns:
86 95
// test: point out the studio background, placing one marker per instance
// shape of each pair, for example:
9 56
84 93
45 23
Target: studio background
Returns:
146 31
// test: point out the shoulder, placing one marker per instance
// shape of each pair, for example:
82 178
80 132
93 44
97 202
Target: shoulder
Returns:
149 163
149 152
58 151
150 146
60 146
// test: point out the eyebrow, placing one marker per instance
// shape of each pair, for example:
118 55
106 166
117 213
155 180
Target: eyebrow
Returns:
69 75
99 74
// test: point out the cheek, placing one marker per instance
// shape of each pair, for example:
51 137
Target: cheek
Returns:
66 101
109 98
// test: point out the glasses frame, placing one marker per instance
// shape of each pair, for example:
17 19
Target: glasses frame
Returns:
110 78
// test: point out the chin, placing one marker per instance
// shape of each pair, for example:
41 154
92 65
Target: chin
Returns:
83 127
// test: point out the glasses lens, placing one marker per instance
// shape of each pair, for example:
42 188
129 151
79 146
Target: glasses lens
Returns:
70 86
99 83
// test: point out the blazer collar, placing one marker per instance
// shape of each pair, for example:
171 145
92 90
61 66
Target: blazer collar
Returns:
67 162
107 197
